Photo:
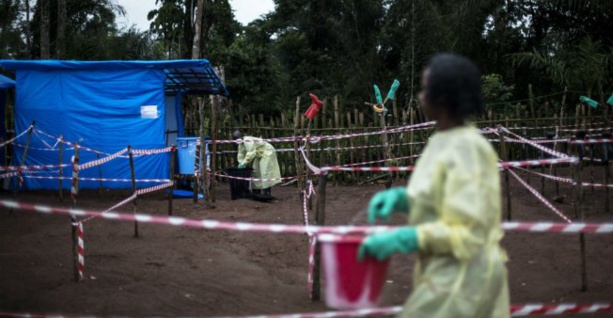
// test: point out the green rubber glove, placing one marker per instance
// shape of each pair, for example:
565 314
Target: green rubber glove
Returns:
610 100
384 203
592 103
378 94
382 245
241 166
392 93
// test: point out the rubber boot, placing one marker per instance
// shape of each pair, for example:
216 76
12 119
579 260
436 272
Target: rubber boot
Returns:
267 193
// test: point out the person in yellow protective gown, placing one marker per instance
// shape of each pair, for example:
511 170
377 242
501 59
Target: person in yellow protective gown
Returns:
453 203
262 156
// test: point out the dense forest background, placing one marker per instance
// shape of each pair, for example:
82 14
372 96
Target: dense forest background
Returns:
337 47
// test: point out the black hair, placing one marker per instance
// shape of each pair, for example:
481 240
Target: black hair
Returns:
454 82
237 135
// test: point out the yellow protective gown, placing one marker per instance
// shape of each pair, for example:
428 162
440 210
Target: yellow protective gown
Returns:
264 158
454 195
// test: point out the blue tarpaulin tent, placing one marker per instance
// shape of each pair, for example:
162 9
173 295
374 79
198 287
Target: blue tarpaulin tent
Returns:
105 105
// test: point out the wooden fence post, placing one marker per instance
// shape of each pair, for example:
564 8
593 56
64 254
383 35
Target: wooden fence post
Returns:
133 175
172 178
578 207
505 157
320 220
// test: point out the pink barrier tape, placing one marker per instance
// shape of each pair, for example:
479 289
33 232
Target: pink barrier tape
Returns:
540 197
98 179
515 310
16 137
80 248
537 146
591 141
541 162
596 228
312 238
100 161
151 151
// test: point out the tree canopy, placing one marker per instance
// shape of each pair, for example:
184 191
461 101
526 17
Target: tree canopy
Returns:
337 47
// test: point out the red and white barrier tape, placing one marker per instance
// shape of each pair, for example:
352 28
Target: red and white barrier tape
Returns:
515 310
316 139
155 188
597 228
253 179
104 160
540 162
587 130
541 141
378 161
537 146
39 149
550 177
38 167
9 175
569 180
97 179
74 186
78 227
554 127
152 151
540 197
16 137
591 141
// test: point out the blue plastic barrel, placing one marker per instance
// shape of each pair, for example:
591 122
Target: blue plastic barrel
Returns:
186 151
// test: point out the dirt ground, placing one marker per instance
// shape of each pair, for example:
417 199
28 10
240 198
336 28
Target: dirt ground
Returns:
172 271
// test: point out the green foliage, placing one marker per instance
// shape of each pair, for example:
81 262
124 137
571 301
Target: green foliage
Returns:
495 91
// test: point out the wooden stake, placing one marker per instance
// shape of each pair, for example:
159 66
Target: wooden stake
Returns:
213 150
73 219
505 157
297 155
172 178
338 142
133 175
99 176
320 220
578 206
61 148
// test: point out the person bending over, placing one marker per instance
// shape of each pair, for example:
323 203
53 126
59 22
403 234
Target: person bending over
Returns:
262 156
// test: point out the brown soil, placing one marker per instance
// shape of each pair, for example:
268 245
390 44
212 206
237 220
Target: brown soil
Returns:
171 271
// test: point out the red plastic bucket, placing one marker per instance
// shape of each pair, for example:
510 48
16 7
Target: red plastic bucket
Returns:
350 284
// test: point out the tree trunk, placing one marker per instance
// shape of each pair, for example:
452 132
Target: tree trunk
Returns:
45 51
196 52
28 34
185 47
60 44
